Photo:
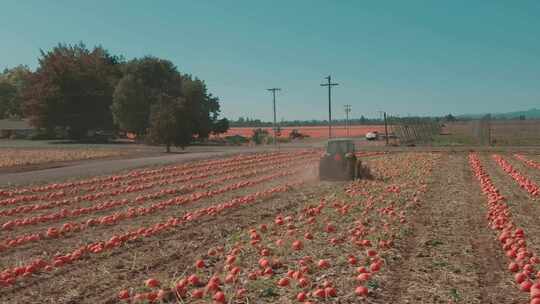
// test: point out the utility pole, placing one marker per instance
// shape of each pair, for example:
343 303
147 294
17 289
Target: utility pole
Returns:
385 129
383 114
329 85
489 129
273 90
347 111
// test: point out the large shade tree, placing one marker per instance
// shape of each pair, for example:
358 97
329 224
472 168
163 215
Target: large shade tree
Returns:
144 83
203 107
78 90
169 123
72 89
220 126
12 82
151 90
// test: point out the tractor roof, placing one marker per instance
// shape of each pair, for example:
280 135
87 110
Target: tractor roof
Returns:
339 145
339 140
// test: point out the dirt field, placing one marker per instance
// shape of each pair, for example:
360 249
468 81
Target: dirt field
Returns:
499 132
261 228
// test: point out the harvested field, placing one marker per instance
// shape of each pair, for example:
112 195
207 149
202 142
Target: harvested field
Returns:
498 132
429 227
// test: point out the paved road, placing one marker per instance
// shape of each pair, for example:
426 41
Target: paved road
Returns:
102 167
88 168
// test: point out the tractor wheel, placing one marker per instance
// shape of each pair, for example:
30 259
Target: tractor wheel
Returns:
323 169
363 172
359 169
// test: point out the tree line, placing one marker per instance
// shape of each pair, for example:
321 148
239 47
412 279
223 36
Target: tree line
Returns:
75 90
253 122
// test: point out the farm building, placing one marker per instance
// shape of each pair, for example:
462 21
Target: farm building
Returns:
10 128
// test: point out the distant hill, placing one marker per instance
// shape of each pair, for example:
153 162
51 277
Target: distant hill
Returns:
529 114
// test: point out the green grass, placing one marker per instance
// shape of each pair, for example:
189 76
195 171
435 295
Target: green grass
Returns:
516 141
440 264
453 140
497 140
454 293
433 243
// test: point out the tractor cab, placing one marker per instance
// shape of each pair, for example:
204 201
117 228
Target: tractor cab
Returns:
339 161
340 148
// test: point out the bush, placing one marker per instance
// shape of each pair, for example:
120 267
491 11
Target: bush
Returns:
236 140
259 136
270 140
284 140
43 135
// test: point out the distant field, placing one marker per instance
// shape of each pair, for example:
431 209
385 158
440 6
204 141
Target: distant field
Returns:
312 131
500 132
516 132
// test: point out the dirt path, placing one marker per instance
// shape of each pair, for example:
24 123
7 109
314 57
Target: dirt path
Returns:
450 256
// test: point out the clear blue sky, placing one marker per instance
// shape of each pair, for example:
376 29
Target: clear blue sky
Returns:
406 57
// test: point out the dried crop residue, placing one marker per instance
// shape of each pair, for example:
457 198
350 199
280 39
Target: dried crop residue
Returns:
450 256
167 254
525 208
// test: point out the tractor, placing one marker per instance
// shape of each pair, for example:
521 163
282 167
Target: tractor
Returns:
295 134
339 162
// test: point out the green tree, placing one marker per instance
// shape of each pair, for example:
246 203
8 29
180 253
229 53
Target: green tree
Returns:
130 106
72 89
363 120
169 123
12 82
450 117
7 95
203 106
184 135
144 83
220 126
163 124
259 135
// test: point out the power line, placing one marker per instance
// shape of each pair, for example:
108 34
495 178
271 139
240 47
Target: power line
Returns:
329 85
273 90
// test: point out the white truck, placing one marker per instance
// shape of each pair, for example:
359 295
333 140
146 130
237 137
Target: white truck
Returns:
372 135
